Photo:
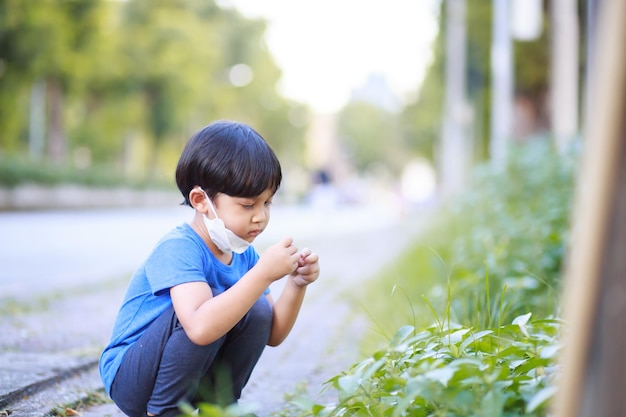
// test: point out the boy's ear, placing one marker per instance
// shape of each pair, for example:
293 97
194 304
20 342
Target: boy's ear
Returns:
197 199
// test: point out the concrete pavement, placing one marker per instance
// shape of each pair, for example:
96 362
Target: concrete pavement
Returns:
50 348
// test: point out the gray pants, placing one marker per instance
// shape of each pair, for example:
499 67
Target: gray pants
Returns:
164 368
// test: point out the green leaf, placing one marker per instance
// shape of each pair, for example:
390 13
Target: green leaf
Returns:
521 321
369 372
474 337
550 351
456 337
303 402
402 334
540 398
492 404
441 375
348 384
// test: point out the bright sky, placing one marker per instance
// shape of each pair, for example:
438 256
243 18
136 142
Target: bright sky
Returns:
327 48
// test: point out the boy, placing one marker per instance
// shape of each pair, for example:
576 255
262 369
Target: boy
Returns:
198 313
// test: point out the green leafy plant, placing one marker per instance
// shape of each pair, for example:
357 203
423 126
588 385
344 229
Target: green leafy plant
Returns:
512 226
490 258
500 245
451 371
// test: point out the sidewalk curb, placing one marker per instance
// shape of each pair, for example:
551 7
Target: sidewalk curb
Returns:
38 372
69 196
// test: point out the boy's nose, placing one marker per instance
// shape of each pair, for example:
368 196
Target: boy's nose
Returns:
259 216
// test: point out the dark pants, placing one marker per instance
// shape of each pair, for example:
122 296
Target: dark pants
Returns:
164 368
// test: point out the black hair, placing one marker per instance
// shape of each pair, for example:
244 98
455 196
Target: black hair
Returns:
228 157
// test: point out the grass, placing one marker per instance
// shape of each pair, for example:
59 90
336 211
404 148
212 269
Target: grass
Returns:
492 254
75 408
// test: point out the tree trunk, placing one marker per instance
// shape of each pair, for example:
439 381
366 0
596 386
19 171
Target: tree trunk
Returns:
565 100
502 85
37 120
455 152
57 142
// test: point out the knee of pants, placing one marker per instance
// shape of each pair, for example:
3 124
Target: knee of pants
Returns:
258 321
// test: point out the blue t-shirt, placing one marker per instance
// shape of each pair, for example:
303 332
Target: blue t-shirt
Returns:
180 256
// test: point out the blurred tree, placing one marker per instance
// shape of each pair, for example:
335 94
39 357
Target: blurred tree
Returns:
46 41
128 82
167 52
370 137
183 62
247 87
422 119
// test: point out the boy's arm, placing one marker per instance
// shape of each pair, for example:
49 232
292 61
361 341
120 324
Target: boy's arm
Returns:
287 307
206 318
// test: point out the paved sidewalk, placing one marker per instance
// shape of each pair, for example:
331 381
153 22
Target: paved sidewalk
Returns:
49 351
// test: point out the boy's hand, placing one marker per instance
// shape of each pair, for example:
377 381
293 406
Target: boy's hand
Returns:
279 259
308 269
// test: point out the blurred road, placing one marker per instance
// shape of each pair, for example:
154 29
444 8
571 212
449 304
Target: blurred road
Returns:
47 251
63 274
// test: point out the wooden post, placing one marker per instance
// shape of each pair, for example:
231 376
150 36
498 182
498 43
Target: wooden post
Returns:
594 297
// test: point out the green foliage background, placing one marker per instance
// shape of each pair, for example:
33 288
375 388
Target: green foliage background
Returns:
127 82
496 251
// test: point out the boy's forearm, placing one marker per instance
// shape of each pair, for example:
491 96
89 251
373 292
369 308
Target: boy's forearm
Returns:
230 307
286 311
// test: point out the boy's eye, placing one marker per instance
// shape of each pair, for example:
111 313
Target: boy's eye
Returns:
248 206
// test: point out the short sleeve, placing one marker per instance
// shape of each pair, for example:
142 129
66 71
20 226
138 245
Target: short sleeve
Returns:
175 261
253 257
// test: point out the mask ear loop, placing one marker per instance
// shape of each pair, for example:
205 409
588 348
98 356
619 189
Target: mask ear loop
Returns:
209 202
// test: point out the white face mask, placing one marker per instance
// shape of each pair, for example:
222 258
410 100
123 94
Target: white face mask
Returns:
223 238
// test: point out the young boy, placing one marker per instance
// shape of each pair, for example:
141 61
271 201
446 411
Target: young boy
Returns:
198 313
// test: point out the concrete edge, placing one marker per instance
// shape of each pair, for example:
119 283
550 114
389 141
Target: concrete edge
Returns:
38 197
38 385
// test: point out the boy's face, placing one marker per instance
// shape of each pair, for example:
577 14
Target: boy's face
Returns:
245 217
